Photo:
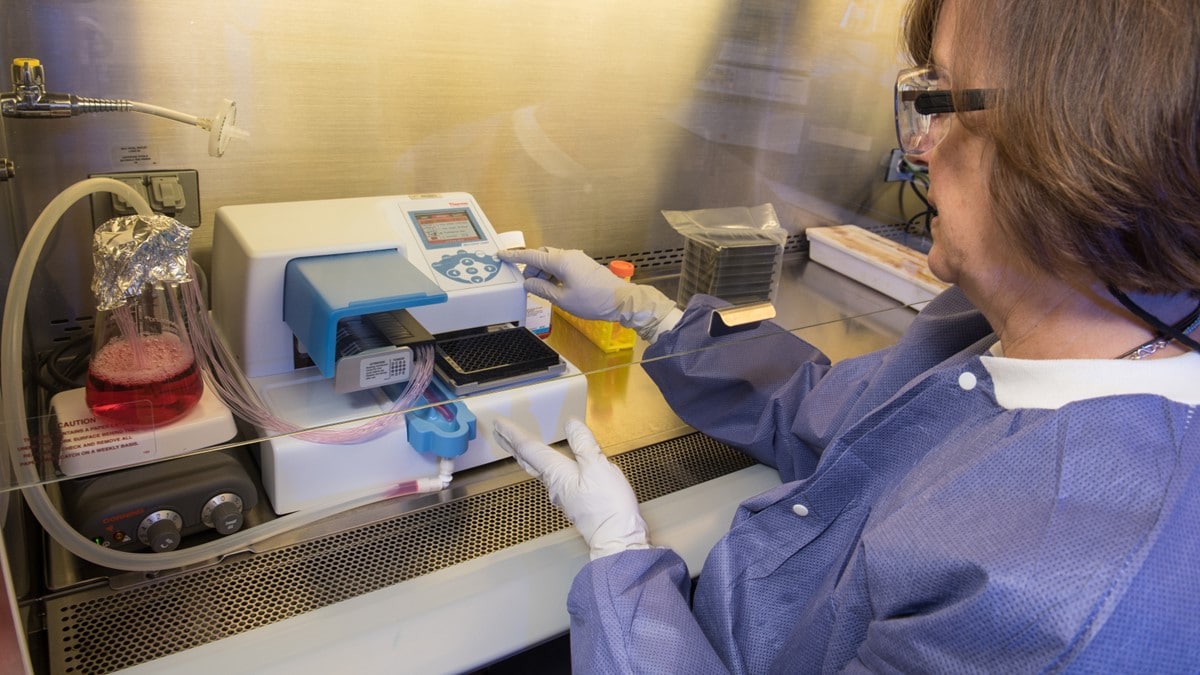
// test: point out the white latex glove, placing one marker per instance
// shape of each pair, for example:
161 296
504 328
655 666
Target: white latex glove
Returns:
591 491
572 281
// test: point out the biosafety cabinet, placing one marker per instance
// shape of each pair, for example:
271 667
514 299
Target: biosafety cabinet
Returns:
307 481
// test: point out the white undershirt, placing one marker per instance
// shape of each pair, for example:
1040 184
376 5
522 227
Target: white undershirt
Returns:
1051 384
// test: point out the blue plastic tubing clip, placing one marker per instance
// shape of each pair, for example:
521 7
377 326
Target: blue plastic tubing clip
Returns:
442 428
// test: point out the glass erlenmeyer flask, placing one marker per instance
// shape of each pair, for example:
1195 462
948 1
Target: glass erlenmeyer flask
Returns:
142 371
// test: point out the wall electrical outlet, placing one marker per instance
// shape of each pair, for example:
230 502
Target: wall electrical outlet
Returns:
173 193
897 169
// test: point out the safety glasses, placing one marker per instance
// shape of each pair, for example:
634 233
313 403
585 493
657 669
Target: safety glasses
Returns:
923 108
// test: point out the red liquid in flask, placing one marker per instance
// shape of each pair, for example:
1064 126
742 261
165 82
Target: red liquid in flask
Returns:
164 388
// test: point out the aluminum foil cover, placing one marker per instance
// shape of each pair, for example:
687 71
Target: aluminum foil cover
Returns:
133 253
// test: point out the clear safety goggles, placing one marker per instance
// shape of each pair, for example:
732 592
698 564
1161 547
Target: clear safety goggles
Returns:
923 108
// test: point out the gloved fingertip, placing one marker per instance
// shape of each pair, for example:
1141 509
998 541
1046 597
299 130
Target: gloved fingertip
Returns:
542 288
532 272
582 441
506 435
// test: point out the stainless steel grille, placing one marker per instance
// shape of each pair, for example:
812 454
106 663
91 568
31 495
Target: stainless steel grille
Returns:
103 630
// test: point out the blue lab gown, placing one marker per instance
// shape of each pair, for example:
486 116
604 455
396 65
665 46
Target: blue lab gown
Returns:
944 525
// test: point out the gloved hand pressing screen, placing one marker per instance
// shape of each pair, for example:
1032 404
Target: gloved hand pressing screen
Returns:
571 280
591 491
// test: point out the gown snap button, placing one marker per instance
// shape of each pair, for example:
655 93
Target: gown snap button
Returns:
967 381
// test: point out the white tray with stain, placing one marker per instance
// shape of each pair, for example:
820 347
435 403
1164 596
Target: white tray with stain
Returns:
887 266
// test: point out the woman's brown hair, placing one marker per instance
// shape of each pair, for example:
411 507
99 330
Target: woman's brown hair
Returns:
1096 125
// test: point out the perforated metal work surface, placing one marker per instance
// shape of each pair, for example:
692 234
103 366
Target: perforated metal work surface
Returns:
100 631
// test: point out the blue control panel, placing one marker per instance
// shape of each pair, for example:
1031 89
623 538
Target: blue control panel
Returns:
468 267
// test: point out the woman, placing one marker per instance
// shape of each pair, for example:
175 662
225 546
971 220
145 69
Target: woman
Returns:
1015 485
